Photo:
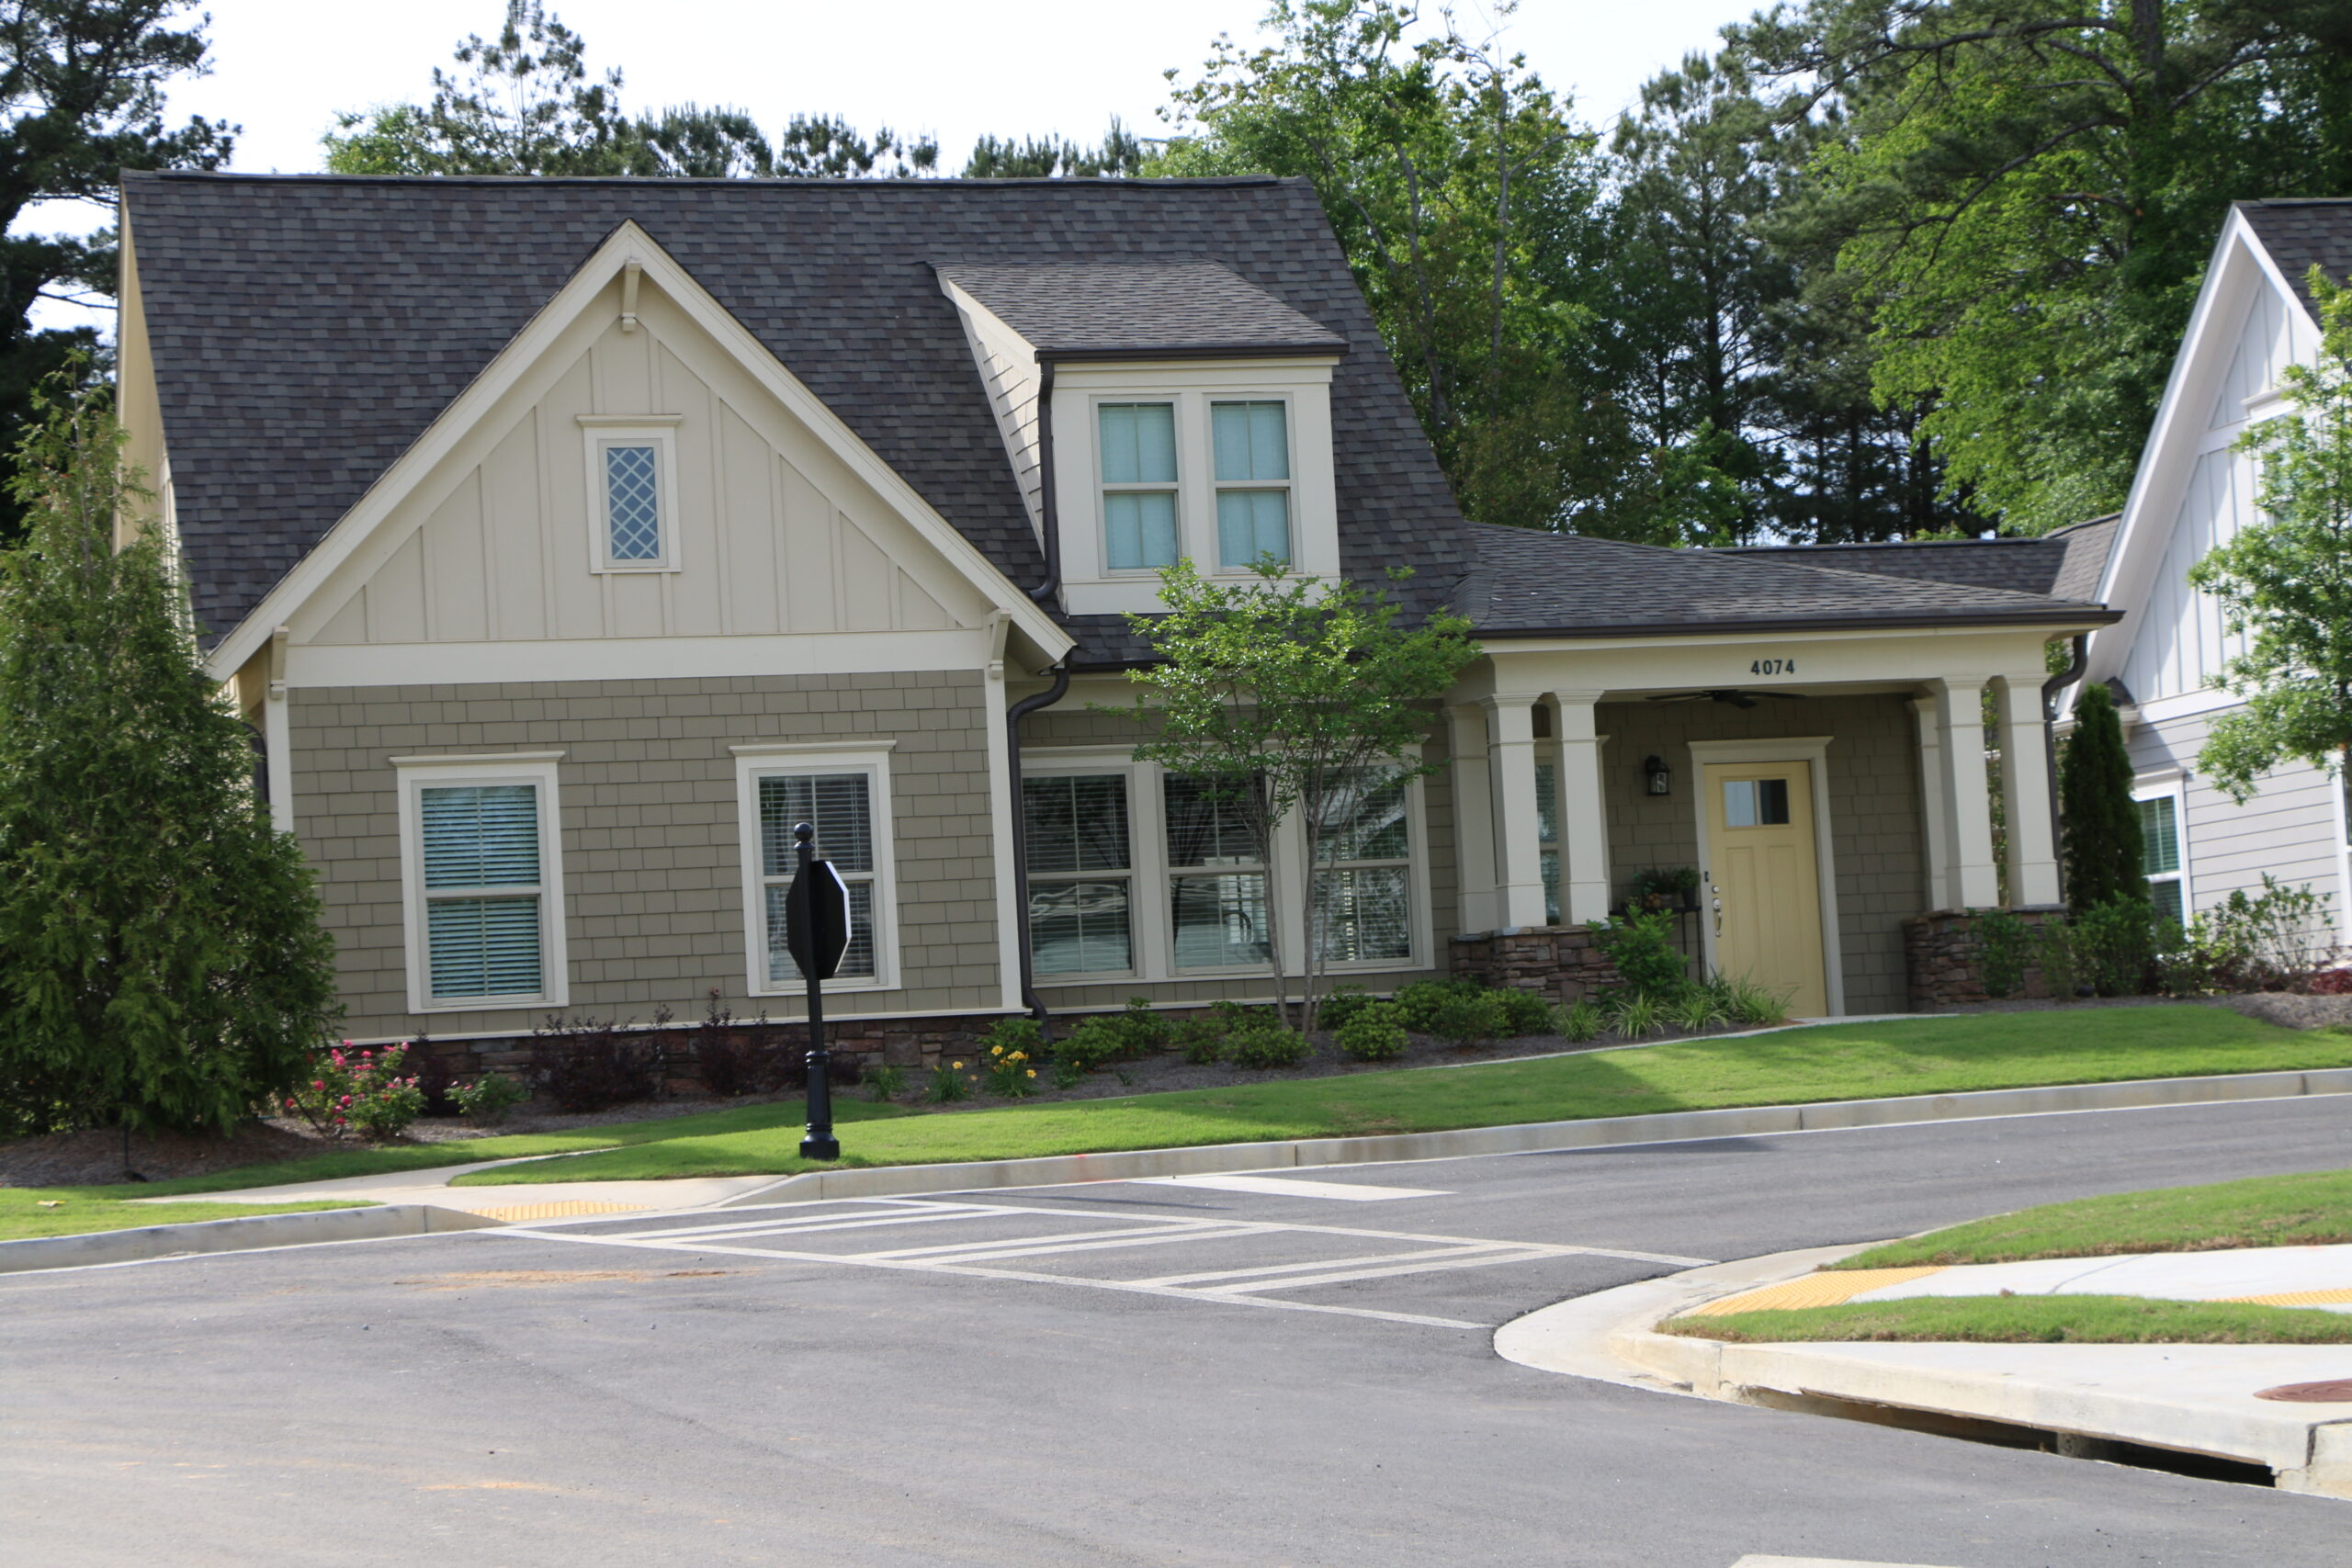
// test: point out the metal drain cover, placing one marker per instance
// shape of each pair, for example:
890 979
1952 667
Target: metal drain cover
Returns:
2338 1392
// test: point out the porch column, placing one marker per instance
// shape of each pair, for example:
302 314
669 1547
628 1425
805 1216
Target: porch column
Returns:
1583 813
1474 822
2025 788
1519 845
1938 846
1968 806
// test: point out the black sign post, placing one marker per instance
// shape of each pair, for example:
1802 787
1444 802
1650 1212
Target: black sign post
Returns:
816 930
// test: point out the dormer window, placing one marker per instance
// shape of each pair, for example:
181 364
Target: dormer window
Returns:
1252 444
1139 469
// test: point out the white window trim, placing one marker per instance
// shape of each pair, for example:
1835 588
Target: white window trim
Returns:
1214 556
2173 786
535 768
1811 748
659 432
1104 488
1151 934
756 760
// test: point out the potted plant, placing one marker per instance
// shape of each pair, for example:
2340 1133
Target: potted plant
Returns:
1664 887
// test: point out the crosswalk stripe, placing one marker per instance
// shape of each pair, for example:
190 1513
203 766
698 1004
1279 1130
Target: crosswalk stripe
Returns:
1319 1263
1310 1280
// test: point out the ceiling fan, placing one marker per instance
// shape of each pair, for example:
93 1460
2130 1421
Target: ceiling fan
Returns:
1736 698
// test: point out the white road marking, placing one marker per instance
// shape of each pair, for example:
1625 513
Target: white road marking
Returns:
984 1259
1291 1187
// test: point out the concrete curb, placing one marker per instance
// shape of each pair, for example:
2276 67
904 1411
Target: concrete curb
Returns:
1541 1137
1609 1336
244 1234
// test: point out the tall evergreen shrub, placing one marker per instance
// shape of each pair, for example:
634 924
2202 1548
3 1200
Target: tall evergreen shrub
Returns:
2104 853
161 963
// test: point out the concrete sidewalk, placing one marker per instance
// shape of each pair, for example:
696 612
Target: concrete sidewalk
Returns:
2201 1399
2317 1277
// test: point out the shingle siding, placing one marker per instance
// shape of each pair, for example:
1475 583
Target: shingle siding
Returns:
651 864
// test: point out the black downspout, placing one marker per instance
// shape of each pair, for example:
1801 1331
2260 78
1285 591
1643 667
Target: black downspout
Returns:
1012 718
1047 593
2049 690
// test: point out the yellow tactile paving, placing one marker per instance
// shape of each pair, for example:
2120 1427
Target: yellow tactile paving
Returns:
557 1211
1828 1287
2296 1299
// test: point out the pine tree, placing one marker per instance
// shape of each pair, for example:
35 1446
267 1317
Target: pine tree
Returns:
161 963
2105 852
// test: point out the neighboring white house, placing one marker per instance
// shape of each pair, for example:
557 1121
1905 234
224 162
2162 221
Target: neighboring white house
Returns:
2253 316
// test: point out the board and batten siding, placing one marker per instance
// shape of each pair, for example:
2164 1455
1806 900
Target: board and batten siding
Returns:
772 534
2292 827
648 829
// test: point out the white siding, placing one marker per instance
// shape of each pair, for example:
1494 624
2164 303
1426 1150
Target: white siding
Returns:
2292 828
2181 642
2261 352
1008 370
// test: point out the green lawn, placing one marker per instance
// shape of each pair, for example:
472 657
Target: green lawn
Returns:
1834 1062
2268 1211
2030 1320
23 1213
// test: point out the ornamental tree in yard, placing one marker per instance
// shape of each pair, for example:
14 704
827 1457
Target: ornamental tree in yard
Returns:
2105 849
161 963
1281 696
2286 582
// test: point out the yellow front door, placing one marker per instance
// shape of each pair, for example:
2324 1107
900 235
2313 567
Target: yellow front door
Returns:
1766 881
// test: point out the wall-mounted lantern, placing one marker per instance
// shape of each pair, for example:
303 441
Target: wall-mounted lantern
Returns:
1657 777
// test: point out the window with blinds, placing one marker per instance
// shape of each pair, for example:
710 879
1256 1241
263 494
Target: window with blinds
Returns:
1252 449
1217 883
2160 855
1074 836
478 848
839 807
1363 883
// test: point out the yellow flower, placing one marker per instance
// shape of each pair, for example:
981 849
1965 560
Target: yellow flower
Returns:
1033 1072
957 1066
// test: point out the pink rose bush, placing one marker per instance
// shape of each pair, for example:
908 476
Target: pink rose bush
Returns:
359 1093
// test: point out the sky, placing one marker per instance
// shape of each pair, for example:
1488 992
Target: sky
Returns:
956 69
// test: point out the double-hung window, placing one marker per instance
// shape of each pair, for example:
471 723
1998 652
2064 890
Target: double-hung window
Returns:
844 796
1074 830
479 864
2160 853
632 495
1138 444
1363 883
1252 450
1217 883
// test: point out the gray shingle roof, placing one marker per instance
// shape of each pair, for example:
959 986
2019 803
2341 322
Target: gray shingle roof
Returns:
1105 309
2064 564
1554 584
307 329
2299 234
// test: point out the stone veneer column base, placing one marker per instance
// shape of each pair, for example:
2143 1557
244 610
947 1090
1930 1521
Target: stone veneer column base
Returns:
1560 962
1944 964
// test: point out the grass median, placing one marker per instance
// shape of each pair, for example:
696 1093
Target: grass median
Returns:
2028 1320
1911 1057
29 1211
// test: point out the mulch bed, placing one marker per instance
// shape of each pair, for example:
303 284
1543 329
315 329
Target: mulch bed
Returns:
94 1157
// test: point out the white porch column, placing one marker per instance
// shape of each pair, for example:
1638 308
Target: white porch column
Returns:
1583 813
1519 844
1968 806
2025 788
1473 822
278 736
1938 846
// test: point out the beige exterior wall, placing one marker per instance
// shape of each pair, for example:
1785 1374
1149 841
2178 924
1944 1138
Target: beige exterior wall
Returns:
1876 816
651 856
1071 725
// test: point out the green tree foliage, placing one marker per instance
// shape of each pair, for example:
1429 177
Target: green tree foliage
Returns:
2286 582
1469 206
81 92
523 103
2026 192
1283 696
161 959
1121 155
2105 854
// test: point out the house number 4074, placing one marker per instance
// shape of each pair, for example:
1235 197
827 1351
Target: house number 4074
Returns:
1773 667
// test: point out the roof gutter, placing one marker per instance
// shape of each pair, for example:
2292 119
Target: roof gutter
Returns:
1012 718
1803 624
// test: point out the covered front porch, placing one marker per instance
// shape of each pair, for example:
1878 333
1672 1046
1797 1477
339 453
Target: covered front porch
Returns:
1790 801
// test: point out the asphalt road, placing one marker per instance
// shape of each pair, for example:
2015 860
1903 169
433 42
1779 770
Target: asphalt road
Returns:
1123 1373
